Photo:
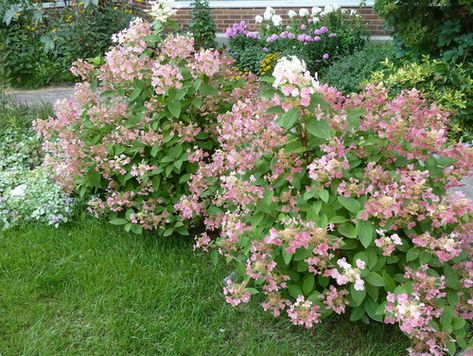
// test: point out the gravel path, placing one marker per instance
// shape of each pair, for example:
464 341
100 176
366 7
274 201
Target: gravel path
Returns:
40 96
50 95
467 188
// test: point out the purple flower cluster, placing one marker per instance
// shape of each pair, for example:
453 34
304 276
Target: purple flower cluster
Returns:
240 28
253 35
272 38
303 38
287 34
321 31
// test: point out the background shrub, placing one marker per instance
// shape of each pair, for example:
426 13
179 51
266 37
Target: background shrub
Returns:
348 73
38 46
436 27
202 25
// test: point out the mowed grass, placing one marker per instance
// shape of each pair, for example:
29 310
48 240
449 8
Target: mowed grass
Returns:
90 288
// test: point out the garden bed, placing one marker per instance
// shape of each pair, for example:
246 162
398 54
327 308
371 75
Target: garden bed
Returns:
325 203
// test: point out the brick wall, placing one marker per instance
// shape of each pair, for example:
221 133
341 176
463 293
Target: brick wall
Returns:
226 17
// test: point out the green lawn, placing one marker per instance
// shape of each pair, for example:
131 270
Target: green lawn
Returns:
90 288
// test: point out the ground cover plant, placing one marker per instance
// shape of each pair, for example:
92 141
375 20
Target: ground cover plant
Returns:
27 191
38 45
139 123
328 204
318 36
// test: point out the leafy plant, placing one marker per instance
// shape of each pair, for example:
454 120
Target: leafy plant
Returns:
440 28
348 73
27 192
38 46
202 24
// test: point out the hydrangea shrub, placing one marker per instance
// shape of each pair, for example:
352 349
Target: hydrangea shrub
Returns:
134 130
332 204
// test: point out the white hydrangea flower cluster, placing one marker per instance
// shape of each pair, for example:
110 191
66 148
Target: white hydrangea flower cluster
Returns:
161 10
292 70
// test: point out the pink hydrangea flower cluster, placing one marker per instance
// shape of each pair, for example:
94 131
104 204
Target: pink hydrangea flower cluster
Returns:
177 47
236 293
165 76
348 274
133 36
335 299
414 317
206 62
387 243
303 312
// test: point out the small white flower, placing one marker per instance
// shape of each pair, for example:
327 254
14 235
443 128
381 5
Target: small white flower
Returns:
303 12
268 13
161 10
352 12
329 9
291 14
259 19
19 191
316 11
277 20
396 239
360 264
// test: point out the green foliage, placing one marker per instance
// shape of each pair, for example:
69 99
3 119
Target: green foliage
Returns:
448 84
352 32
442 29
249 59
348 73
37 46
202 25
436 27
